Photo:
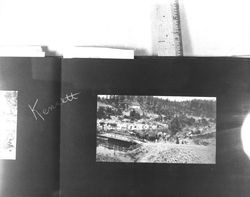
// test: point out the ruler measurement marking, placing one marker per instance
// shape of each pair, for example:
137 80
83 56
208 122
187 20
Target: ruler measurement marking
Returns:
169 31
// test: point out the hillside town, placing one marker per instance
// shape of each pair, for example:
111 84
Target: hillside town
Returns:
130 128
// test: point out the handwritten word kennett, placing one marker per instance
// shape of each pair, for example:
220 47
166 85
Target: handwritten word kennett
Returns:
45 111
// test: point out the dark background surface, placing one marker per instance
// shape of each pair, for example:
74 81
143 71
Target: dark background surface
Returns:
35 172
228 79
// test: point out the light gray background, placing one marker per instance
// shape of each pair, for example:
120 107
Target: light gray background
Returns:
209 27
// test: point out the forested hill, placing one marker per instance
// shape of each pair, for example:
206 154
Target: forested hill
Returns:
150 104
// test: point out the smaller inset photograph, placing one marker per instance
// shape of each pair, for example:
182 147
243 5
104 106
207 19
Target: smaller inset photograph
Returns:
8 124
156 129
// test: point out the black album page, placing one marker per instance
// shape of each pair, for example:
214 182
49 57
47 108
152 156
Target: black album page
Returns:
30 126
154 127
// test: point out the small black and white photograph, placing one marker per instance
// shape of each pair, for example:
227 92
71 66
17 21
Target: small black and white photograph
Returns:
156 129
8 122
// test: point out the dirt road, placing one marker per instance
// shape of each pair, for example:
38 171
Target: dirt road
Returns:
161 152
175 153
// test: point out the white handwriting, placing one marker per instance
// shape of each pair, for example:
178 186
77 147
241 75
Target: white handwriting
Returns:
45 111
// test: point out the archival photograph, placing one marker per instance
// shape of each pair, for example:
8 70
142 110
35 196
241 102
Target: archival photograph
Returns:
8 124
156 129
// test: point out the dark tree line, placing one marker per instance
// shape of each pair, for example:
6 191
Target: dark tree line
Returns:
206 108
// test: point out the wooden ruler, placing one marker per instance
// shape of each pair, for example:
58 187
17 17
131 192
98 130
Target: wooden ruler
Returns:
167 30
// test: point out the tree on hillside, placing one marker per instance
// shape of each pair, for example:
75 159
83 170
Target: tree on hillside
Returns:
134 115
175 126
101 113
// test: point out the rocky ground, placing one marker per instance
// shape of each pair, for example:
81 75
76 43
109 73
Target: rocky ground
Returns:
160 152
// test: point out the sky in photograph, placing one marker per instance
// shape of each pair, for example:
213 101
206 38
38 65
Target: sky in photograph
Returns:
185 98
176 98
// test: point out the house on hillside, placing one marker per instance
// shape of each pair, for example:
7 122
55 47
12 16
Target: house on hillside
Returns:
103 105
133 106
136 107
